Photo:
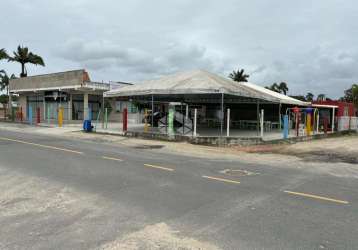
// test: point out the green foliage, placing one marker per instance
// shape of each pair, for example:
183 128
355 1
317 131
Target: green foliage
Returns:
5 80
239 76
23 56
351 95
108 106
3 54
299 97
136 106
281 88
309 97
4 99
355 94
273 87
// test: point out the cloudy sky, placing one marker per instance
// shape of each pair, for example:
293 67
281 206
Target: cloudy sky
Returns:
311 45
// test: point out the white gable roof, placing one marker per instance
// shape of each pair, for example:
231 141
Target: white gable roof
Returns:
201 82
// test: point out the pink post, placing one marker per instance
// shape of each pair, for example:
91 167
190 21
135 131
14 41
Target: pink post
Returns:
38 116
125 119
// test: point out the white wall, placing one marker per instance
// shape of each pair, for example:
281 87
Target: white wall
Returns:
345 121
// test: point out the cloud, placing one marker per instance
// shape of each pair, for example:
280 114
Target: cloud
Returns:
318 70
98 55
311 45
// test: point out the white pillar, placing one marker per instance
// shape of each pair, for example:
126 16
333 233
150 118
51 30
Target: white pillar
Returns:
195 116
279 116
222 114
85 106
317 122
228 123
333 120
186 112
69 111
9 105
262 123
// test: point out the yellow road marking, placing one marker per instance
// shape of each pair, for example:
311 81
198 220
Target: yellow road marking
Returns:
317 197
41 145
220 179
111 158
158 167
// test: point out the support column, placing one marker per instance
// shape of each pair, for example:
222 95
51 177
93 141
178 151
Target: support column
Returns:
44 108
85 106
279 116
258 117
69 108
9 107
186 112
333 119
228 123
262 123
125 120
152 125
102 107
285 127
317 129
222 114
195 118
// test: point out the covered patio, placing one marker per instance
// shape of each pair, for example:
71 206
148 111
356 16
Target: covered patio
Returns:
198 103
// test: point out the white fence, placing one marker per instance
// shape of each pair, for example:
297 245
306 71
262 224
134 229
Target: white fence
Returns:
347 123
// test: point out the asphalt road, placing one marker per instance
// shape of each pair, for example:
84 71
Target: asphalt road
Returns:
105 196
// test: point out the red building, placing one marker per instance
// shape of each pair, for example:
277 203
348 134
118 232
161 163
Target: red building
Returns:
344 108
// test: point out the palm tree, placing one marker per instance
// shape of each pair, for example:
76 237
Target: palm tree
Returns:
5 80
239 76
3 54
274 87
283 88
23 56
309 97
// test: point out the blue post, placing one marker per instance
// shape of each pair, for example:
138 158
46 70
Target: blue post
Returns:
285 126
30 115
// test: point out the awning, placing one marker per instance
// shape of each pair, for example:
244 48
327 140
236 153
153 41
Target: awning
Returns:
201 82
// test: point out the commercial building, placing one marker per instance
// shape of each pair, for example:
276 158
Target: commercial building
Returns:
42 96
344 114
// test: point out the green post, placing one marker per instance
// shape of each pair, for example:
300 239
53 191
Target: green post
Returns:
48 115
98 116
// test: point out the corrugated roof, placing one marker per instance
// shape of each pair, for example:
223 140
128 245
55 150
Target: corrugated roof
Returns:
201 82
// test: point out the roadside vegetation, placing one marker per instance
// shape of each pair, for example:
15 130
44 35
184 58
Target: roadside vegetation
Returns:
22 56
350 94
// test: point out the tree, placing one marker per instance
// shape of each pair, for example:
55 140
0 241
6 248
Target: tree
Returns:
274 87
355 94
3 54
239 76
4 99
299 97
309 97
23 56
283 88
350 95
5 80
321 97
